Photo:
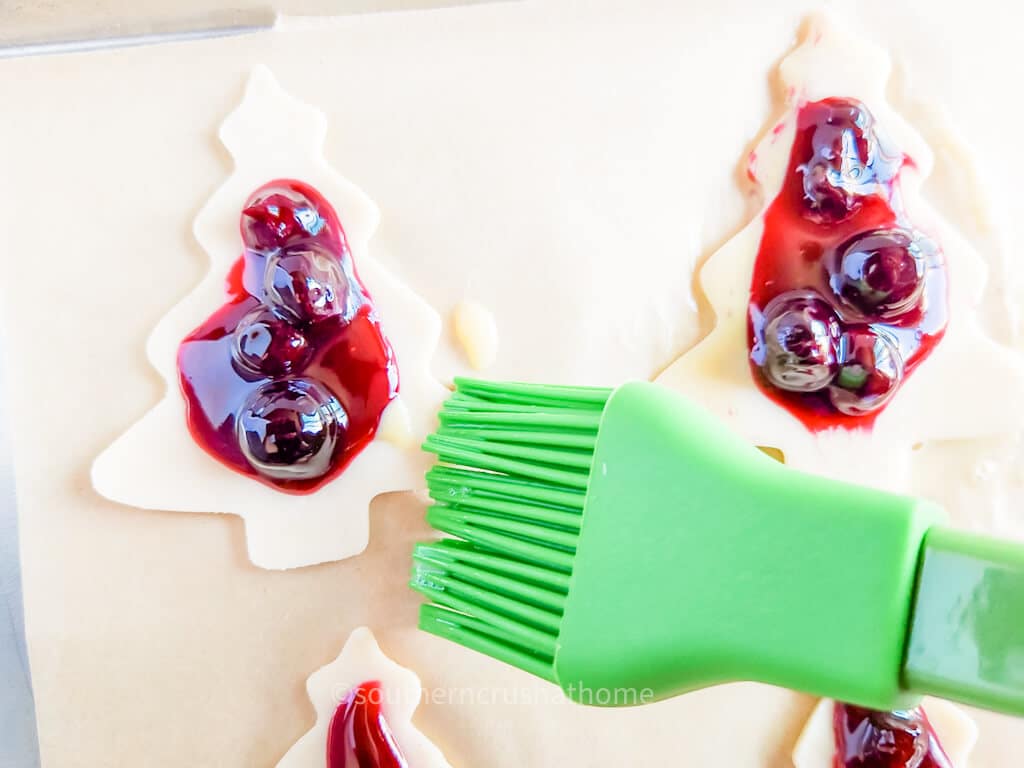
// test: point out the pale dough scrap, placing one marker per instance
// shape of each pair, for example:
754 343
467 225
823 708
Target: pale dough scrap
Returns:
477 332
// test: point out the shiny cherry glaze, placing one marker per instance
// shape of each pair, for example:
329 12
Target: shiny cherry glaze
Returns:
846 297
288 380
869 739
359 736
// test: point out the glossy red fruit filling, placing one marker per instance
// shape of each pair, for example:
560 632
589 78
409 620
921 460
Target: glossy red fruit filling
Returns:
847 298
843 161
869 739
288 380
359 736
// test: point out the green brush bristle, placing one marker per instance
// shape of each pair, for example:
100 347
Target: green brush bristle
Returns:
518 461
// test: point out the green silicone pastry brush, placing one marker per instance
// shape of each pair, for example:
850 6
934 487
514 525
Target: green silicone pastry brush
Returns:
624 545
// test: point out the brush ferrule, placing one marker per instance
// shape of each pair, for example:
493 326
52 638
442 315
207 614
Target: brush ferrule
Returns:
967 636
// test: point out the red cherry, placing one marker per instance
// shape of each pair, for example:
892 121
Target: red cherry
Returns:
870 371
289 429
801 342
880 274
844 162
278 215
267 345
828 200
306 283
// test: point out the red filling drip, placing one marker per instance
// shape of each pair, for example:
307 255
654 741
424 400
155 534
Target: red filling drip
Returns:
359 736
288 380
847 298
869 739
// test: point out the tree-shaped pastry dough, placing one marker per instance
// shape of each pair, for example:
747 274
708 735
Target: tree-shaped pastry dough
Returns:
157 464
364 705
967 386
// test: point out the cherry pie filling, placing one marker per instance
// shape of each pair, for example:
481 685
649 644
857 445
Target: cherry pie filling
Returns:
847 297
288 380
869 739
359 735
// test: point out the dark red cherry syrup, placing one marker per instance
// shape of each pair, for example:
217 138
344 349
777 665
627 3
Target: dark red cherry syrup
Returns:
847 298
288 380
869 739
359 736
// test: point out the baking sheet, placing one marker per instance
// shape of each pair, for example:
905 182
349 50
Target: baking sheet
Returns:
153 640
31 24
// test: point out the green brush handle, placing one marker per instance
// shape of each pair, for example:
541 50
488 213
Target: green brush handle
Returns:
701 561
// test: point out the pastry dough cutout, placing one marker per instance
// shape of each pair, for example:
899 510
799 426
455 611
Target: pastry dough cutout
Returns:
362 660
969 385
156 464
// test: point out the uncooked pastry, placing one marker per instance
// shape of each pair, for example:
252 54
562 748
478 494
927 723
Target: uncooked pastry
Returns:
157 465
477 333
968 388
359 661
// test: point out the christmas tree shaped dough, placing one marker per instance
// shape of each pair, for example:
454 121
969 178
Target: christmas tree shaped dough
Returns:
968 387
157 465
360 661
